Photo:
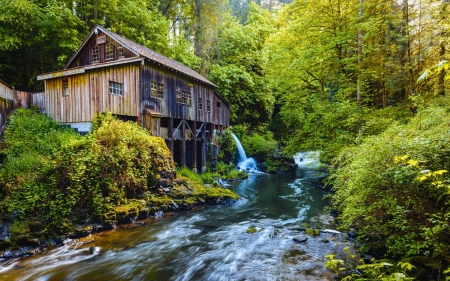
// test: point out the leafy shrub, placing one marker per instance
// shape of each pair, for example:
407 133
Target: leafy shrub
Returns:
380 188
89 174
227 147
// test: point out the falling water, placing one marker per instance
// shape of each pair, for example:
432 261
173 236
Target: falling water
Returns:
240 148
244 163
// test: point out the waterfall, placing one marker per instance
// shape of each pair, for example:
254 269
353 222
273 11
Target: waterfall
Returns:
240 148
244 163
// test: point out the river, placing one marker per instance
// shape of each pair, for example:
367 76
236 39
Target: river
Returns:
208 243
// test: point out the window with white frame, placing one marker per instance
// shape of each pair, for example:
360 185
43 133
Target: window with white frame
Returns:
109 52
121 51
115 88
95 54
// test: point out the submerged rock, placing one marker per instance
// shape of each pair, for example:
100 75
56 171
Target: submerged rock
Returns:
300 239
94 250
251 230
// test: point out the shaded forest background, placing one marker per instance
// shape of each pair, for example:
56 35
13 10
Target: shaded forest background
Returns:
315 73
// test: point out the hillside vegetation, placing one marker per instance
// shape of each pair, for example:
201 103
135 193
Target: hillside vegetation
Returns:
52 180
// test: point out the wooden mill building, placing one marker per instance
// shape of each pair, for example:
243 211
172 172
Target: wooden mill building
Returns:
111 73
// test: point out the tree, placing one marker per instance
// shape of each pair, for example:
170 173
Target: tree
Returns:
239 72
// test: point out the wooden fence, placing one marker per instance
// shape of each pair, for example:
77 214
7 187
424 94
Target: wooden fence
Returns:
11 99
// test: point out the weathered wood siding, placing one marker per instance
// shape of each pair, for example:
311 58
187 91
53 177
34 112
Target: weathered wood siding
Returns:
85 54
6 92
88 94
6 106
38 100
22 99
169 107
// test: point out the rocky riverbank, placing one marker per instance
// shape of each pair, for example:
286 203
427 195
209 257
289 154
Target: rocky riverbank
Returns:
183 195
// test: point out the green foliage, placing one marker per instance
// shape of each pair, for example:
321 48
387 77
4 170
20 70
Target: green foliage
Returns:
188 173
393 187
259 144
375 270
36 36
71 173
330 127
227 147
239 72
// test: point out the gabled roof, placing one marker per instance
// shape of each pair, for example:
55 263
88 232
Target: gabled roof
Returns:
6 84
140 50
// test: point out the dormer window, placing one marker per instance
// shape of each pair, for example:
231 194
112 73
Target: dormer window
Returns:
95 54
109 52
121 51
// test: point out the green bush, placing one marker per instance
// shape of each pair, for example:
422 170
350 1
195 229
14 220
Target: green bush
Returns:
393 188
57 179
227 147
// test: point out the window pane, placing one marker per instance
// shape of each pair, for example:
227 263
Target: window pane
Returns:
109 52
95 54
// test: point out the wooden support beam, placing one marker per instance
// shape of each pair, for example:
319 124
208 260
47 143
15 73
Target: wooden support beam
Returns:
171 136
183 144
203 143
194 148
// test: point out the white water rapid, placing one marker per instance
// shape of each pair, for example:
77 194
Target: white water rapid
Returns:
244 163
309 159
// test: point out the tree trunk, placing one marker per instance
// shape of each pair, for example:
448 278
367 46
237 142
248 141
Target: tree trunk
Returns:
358 85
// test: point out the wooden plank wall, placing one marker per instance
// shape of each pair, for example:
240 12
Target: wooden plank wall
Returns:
89 94
169 107
6 106
6 92
85 55
22 99
38 100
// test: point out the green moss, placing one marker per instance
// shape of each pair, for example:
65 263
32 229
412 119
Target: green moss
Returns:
311 231
251 230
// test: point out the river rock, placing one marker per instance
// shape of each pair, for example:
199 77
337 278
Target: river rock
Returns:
331 231
300 239
94 250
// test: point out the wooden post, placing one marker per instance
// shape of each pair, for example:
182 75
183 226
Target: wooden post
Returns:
171 137
203 148
194 147
183 144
